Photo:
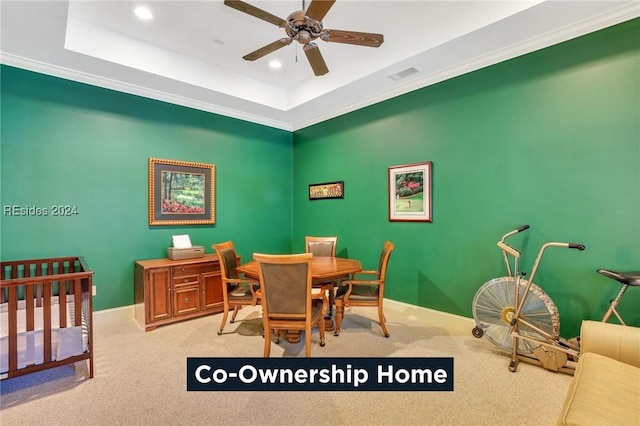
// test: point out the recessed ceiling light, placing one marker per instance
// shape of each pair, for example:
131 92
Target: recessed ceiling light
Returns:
275 64
143 13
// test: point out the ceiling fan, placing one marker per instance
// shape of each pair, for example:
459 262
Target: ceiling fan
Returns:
304 27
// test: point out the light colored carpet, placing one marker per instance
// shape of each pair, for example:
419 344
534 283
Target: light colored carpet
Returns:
140 378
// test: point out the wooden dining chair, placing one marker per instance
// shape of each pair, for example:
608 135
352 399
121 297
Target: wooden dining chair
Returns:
323 247
237 291
365 292
287 302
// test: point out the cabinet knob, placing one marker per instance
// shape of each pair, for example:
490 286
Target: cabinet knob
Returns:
186 300
183 269
186 280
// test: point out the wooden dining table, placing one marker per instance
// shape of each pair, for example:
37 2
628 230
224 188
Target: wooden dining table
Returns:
323 270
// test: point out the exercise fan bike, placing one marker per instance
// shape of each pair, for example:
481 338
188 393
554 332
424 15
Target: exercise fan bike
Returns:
519 317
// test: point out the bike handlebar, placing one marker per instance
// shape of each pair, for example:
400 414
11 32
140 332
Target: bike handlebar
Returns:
514 232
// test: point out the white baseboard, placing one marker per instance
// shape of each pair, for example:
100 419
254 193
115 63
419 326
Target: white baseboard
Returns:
429 310
128 312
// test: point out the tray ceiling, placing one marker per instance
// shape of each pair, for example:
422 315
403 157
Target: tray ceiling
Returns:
190 52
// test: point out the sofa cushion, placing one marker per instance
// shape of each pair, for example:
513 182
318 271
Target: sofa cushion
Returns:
603 392
611 340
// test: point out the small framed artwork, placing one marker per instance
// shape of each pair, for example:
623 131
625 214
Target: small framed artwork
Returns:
181 193
410 193
322 191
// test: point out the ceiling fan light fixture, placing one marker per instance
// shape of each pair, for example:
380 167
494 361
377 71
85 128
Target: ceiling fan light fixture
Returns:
143 13
305 26
275 64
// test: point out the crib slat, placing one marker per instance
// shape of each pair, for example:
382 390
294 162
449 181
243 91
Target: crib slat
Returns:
29 307
77 300
28 299
38 286
62 301
13 328
47 321
14 271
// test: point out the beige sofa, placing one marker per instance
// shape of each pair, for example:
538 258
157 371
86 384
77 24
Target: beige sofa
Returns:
606 386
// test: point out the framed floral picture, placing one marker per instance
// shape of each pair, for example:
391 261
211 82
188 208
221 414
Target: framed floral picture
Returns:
181 193
410 193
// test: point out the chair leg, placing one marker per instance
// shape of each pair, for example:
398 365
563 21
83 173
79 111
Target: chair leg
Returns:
267 337
224 318
339 314
382 321
321 330
307 342
332 297
235 312
267 344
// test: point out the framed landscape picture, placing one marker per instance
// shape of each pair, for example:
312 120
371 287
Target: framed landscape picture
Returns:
181 193
410 193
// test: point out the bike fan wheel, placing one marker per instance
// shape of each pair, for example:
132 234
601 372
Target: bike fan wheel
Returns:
494 307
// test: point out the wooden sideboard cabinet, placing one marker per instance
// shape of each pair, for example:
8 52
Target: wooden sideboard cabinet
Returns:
167 291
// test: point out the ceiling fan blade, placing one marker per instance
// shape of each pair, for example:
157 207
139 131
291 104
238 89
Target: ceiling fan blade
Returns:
318 9
353 37
271 47
254 11
315 59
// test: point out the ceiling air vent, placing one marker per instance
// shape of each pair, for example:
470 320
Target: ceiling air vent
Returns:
403 74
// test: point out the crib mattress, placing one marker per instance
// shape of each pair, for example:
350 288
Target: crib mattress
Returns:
65 342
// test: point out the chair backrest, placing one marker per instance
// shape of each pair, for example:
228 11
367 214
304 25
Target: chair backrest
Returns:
321 246
385 254
228 259
285 282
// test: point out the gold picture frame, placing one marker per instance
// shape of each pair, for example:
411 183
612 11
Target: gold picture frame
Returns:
181 193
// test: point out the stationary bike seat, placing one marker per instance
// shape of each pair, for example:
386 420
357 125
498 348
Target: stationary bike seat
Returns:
627 278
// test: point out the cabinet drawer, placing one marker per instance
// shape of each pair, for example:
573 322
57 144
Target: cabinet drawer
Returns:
185 280
186 300
196 269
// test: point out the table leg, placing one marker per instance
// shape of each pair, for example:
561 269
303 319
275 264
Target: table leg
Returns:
328 319
328 324
292 336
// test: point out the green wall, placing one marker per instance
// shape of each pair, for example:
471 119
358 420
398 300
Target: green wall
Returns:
550 139
72 144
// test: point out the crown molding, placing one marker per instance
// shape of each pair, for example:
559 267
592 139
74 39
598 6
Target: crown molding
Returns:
124 87
617 16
